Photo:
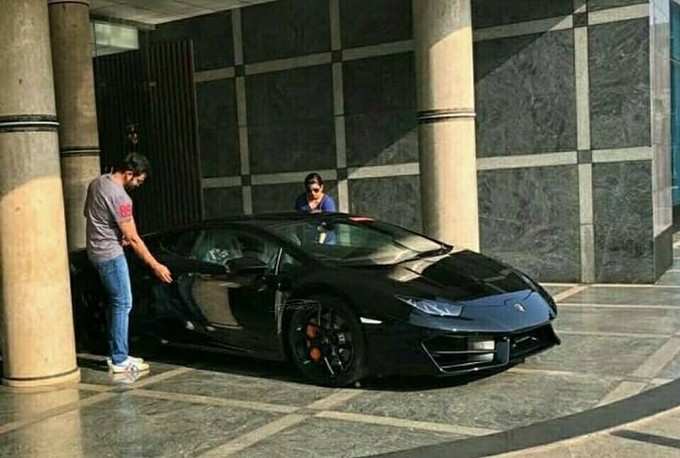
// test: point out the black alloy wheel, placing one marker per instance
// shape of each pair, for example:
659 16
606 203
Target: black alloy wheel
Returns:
326 341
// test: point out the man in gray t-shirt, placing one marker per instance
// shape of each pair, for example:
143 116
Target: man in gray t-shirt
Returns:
107 205
110 226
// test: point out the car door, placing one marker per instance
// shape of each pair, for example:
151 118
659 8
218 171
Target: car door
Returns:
237 302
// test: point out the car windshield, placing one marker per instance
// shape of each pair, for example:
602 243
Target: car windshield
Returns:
358 241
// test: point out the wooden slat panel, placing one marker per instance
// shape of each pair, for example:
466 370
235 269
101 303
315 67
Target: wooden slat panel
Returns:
154 89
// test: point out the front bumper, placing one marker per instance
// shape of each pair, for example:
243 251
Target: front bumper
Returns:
402 349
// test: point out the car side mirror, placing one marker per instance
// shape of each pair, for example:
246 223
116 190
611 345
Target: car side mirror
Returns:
246 264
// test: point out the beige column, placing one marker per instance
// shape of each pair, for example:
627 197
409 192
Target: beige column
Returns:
36 322
446 116
76 110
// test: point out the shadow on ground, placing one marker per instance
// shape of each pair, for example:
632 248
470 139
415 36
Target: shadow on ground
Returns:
216 361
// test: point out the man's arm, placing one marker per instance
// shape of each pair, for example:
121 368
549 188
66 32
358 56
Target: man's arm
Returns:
129 230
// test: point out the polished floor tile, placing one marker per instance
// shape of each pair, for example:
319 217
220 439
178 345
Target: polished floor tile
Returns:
672 370
501 402
670 278
611 355
337 438
244 388
652 295
667 425
131 426
21 406
556 289
641 321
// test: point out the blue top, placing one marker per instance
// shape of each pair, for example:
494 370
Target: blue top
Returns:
327 204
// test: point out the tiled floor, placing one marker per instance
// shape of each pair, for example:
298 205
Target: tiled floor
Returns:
616 341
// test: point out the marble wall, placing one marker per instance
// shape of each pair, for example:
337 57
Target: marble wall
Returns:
307 86
218 129
623 220
572 136
619 88
529 217
524 94
286 131
570 124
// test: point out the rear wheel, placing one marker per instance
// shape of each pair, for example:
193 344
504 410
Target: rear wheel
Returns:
90 323
326 342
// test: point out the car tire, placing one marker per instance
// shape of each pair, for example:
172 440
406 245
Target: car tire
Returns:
336 355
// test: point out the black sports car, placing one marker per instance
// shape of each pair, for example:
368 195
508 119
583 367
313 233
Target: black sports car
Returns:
341 296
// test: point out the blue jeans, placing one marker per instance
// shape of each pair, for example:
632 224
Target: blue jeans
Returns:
115 277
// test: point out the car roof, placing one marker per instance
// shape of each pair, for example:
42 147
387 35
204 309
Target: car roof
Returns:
264 220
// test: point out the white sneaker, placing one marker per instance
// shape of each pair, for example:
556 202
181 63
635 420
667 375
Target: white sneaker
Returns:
127 378
129 365
133 358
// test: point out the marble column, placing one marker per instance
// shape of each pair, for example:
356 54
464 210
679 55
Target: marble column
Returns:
36 322
446 117
76 110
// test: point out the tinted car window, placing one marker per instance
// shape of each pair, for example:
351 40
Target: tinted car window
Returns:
222 245
368 242
181 243
289 263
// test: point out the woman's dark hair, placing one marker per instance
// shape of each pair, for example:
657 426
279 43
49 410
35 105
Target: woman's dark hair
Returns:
313 178
136 163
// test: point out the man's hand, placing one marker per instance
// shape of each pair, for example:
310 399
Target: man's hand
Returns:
162 272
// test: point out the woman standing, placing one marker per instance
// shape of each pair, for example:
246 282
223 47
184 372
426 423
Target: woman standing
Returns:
314 200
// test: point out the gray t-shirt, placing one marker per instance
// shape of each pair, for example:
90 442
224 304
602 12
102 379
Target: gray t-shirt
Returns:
106 206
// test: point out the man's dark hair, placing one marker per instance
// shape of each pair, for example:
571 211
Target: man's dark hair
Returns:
136 163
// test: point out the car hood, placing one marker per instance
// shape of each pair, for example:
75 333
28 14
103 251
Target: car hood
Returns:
495 297
460 276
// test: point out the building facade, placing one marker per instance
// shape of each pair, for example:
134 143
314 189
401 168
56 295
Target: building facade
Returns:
572 102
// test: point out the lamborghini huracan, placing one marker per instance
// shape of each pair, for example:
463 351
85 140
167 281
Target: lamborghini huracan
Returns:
341 297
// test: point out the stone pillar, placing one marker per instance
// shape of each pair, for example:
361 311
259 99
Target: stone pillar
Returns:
76 110
36 322
446 117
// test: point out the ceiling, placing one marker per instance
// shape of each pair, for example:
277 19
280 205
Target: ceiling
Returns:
152 12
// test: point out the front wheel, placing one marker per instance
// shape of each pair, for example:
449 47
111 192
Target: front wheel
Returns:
326 341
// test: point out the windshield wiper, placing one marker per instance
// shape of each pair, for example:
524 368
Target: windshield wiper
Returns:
444 249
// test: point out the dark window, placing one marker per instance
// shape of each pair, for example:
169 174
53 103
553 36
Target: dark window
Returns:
222 245
181 243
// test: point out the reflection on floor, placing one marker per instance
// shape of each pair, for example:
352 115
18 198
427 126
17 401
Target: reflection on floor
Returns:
618 341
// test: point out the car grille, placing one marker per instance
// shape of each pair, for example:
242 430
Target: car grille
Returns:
528 343
458 353
466 353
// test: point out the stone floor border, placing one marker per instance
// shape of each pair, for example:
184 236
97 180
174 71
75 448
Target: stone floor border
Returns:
611 416
404 423
570 292
208 400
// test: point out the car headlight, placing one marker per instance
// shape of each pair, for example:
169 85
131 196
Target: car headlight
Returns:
436 307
